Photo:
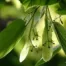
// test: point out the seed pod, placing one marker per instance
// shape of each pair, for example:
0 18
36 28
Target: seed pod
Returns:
47 37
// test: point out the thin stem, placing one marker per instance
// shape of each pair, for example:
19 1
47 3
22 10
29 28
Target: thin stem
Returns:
31 24
32 15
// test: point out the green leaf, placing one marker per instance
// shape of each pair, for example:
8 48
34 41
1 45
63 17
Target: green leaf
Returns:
30 3
10 35
60 32
41 61
56 49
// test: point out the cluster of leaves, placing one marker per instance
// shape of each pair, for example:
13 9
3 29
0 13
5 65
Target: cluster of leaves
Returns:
16 33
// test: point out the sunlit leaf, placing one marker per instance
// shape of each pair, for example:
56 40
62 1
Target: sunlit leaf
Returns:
24 52
61 34
10 35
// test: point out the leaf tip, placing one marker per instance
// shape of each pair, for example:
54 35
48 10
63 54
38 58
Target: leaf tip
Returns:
20 59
